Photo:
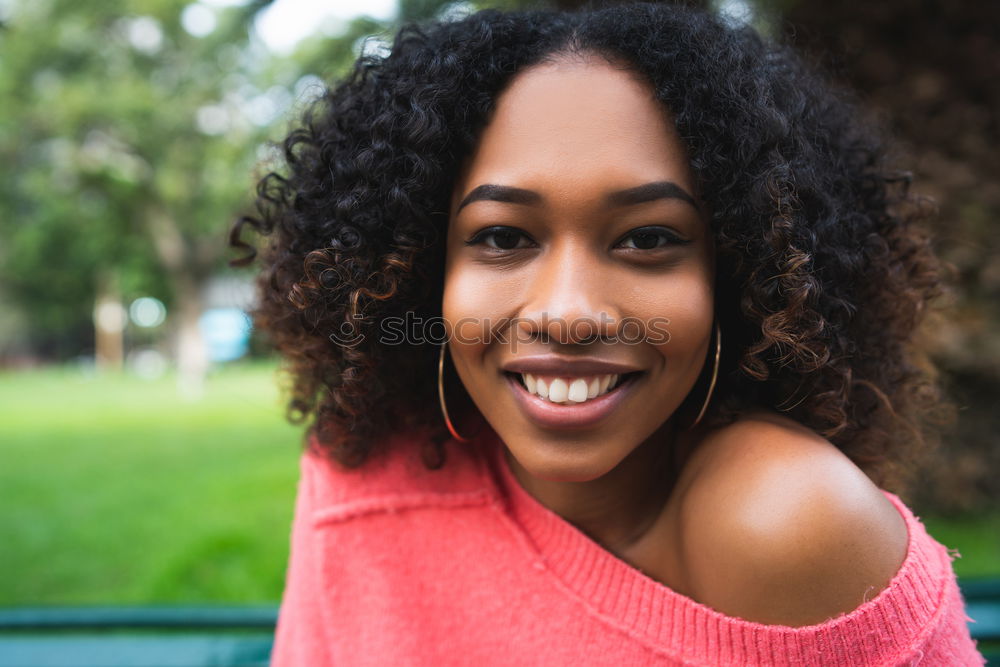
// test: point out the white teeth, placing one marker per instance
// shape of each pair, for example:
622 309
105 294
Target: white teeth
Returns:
541 388
558 390
570 390
577 391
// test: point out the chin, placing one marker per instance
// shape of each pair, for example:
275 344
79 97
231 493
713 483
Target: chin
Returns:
565 459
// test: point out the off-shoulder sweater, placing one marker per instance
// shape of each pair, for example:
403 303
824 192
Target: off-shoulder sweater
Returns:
395 564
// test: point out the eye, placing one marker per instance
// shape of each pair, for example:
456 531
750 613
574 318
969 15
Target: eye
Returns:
501 238
650 238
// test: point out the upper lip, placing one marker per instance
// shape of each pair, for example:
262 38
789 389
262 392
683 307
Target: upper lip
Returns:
566 366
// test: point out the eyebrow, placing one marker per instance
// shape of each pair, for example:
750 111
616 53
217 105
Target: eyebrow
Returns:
629 197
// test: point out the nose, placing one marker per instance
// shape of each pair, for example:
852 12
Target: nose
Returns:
571 297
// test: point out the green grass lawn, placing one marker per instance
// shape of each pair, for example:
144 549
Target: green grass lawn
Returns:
975 537
115 490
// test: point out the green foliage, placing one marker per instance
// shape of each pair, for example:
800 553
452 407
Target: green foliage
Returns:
123 149
413 10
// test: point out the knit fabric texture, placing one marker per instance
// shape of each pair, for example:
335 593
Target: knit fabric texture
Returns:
395 564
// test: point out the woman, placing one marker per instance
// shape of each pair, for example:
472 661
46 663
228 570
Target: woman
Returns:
678 288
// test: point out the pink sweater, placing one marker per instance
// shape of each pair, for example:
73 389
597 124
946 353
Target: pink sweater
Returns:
394 564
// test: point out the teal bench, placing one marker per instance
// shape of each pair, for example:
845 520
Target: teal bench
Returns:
227 636
982 605
136 636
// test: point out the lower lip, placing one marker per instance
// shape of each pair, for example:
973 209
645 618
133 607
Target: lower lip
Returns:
571 415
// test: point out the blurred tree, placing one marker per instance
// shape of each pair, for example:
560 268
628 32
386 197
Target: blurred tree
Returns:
125 142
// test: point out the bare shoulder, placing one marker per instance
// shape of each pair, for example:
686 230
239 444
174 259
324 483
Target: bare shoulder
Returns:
778 526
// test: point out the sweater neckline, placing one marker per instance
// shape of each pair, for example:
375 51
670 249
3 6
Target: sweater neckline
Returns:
672 623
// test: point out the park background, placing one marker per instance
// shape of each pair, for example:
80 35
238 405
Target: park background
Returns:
144 452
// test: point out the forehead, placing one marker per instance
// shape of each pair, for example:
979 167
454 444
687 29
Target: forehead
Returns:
578 120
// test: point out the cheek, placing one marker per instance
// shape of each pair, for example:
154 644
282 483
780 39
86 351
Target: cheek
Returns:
475 305
678 313
683 297
475 302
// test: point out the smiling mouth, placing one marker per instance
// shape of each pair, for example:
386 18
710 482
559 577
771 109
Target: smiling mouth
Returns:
572 390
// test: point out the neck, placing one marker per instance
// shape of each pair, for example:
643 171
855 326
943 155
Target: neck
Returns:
618 508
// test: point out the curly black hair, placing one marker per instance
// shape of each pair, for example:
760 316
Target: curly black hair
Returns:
823 271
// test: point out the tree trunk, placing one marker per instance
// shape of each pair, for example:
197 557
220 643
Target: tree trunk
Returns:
109 324
181 262
191 352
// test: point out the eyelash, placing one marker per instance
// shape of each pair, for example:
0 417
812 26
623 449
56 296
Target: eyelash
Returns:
480 236
671 238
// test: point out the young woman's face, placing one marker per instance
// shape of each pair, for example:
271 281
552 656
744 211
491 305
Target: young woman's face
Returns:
579 273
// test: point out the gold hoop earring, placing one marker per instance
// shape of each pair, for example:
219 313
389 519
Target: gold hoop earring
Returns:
715 375
444 408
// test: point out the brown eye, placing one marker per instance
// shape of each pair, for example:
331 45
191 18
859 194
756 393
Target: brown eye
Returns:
501 238
644 240
650 238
